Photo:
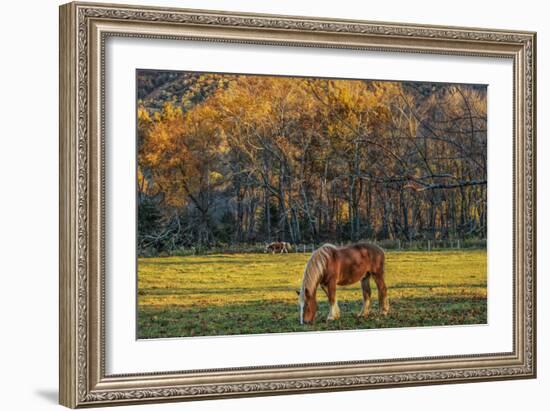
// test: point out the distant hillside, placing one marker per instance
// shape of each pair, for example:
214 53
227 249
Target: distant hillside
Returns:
154 88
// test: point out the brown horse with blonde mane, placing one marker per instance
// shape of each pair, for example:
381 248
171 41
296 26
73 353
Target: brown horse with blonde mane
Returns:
330 266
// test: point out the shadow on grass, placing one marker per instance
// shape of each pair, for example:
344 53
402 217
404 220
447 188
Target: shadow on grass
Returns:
432 285
214 291
208 290
260 317
183 263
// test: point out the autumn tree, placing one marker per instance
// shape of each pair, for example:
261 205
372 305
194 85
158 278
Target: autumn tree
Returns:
257 158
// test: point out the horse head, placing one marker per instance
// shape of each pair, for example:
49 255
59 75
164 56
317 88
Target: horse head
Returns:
308 306
314 270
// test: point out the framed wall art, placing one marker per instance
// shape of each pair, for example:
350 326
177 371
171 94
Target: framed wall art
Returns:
259 204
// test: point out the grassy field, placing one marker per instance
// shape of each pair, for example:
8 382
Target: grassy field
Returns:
255 293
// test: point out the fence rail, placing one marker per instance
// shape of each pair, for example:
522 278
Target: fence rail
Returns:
306 248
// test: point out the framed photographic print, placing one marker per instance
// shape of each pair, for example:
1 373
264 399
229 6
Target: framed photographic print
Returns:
259 204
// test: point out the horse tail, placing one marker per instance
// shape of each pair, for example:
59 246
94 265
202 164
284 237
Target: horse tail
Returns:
379 256
382 267
316 266
381 283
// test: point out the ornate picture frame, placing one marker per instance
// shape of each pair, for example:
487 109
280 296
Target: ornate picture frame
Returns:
84 28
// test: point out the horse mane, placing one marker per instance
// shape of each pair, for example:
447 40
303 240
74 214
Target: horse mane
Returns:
315 267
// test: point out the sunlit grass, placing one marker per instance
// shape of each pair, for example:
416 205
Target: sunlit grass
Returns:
255 293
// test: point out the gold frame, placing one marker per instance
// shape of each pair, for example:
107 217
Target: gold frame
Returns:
83 30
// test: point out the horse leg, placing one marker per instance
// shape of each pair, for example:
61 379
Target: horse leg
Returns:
384 304
365 288
334 311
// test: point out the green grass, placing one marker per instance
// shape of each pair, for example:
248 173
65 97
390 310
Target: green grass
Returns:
255 293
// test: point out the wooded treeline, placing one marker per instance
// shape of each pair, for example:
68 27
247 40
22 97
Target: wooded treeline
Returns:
233 159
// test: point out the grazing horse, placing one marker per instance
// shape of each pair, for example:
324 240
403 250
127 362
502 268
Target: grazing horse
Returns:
278 247
331 266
